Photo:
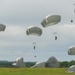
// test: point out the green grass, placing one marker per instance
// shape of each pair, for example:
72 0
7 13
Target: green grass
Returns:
34 71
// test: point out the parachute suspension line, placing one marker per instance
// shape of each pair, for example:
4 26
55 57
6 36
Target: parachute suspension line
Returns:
34 47
73 5
73 11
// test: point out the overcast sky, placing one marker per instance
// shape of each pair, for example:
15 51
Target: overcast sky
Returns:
18 15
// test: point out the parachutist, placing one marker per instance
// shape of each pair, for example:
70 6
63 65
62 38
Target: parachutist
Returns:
34 56
55 37
34 47
71 20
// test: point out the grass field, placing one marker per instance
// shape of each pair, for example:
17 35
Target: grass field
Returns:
34 71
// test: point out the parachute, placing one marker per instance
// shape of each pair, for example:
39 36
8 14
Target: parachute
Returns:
71 69
34 31
51 20
39 65
71 50
19 63
2 27
52 62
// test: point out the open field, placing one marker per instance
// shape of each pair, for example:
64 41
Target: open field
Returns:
34 71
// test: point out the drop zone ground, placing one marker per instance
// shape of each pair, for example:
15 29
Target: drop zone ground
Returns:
34 71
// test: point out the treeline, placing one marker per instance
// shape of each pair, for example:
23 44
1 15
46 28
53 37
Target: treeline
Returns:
7 64
4 64
63 64
67 64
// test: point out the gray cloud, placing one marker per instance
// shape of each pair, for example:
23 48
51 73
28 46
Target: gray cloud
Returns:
18 15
